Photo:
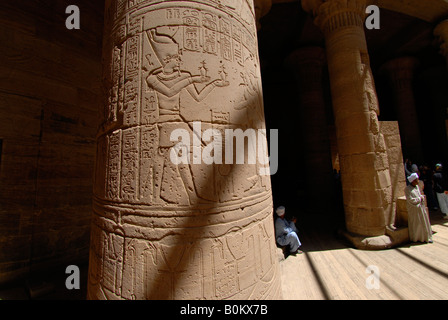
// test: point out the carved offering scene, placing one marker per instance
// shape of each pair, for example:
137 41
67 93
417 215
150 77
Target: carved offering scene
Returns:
227 150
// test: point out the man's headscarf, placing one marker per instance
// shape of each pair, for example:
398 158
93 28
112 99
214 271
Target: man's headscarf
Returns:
280 211
412 177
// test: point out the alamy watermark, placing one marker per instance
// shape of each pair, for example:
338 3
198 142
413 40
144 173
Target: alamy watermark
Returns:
73 21
373 20
73 280
373 280
234 147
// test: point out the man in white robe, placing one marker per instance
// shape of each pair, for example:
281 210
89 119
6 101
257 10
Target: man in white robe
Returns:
286 232
418 220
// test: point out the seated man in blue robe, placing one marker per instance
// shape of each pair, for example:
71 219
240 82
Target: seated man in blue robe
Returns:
286 232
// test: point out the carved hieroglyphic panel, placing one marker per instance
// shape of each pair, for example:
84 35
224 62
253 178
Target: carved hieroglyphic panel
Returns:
210 33
149 136
113 165
129 165
190 230
100 168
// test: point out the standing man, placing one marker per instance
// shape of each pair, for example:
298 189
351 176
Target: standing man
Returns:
441 189
418 220
286 232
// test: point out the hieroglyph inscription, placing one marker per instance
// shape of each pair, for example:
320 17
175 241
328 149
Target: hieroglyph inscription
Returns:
180 230
240 263
169 67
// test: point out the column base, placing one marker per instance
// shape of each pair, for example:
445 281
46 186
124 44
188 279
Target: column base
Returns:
392 238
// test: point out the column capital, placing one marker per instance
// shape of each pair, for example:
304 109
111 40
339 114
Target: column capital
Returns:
441 33
332 14
262 7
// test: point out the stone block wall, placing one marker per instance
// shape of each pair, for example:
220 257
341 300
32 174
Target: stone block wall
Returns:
391 134
401 219
49 95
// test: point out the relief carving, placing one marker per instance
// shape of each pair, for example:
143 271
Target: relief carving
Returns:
172 231
114 165
174 183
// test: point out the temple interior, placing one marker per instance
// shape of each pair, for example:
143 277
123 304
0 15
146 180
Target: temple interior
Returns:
287 28
50 89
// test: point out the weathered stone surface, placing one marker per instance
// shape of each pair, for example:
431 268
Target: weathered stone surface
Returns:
180 231
391 134
402 212
49 89
367 193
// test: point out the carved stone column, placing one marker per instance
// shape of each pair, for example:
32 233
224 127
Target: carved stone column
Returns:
177 75
400 72
364 165
308 64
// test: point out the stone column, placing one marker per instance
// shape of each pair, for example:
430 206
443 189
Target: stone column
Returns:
166 224
364 166
308 64
400 72
441 32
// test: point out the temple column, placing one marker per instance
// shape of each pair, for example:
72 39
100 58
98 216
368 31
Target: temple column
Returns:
400 72
441 32
175 215
308 65
366 184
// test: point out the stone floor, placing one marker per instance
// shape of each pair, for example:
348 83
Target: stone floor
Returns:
329 269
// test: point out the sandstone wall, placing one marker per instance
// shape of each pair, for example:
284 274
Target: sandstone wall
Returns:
49 85
391 134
